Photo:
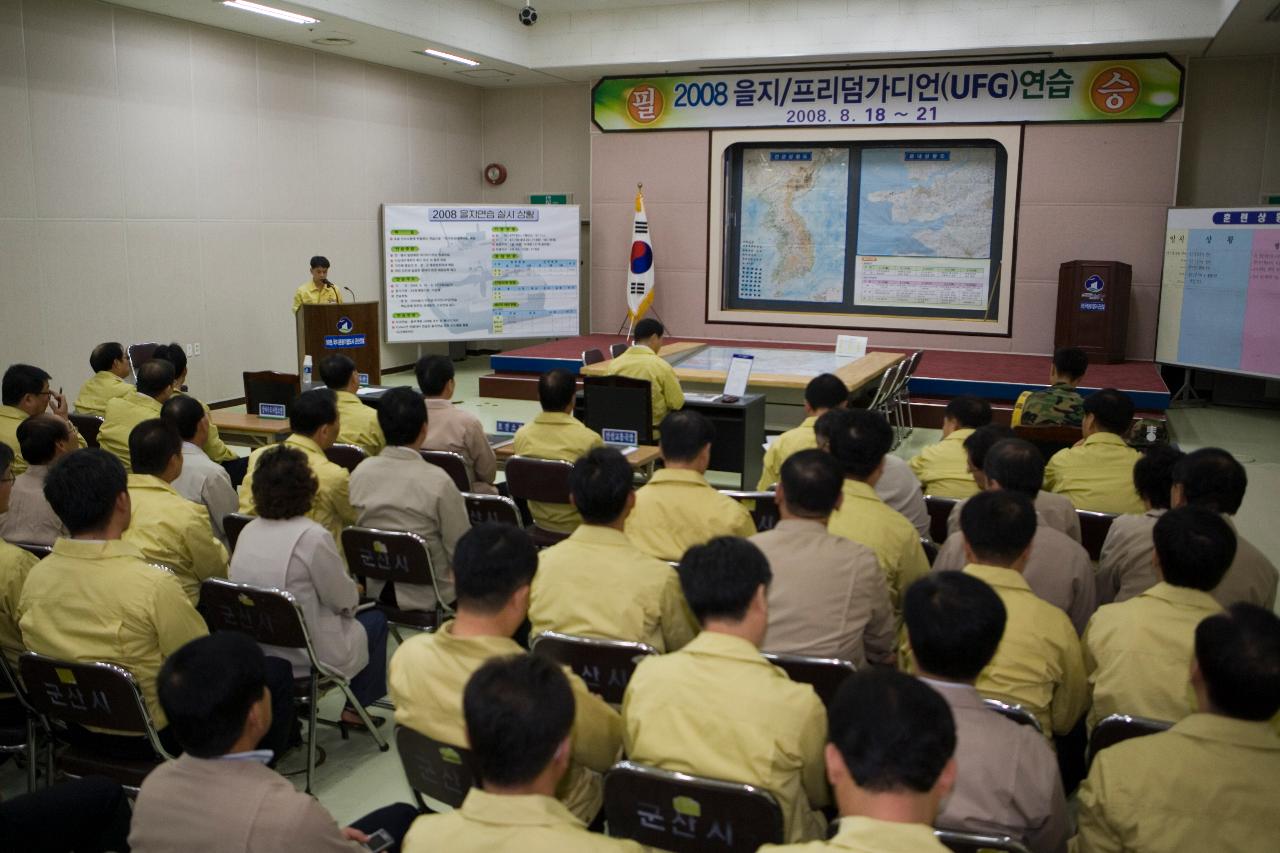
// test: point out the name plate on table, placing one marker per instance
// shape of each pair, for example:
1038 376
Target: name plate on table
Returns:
851 346
508 426
620 436
275 411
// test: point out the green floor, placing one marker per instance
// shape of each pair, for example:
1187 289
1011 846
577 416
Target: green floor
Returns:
357 778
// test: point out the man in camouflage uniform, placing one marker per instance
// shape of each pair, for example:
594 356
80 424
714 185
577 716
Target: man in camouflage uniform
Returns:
1059 404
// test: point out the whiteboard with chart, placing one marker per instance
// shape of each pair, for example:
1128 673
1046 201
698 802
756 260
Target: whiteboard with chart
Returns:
470 272
1220 290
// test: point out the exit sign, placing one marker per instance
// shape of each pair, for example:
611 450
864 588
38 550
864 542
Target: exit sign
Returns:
551 198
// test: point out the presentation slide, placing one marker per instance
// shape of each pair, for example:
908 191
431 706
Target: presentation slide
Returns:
1220 293
479 271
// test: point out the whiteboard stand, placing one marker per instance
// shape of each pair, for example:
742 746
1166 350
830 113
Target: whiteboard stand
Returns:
1186 397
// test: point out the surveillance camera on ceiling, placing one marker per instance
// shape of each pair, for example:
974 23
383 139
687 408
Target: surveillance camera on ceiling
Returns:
528 15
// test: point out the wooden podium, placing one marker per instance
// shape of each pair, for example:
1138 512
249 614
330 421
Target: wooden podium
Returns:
1093 308
350 329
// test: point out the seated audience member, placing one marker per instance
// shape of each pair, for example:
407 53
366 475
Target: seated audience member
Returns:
166 527
492 569
15 565
890 773
519 713
823 393
556 434
1058 568
1038 663
860 441
717 708
1209 782
642 361
213 445
1097 474
1007 780
283 548
828 598
154 387
943 468
359 422
43 440
1214 479
1125 568
454 429
95 598
86 815
596 583
110 370
399 490
25 393
314 422
1136 652
1060 404
897 486
214 691
678 508
1053 510
202 480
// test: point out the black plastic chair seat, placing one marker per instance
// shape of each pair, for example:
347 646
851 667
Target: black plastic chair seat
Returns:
11 736
426 620
127 771
543 538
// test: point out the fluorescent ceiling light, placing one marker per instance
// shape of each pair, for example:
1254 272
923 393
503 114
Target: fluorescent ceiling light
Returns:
291 17
452 57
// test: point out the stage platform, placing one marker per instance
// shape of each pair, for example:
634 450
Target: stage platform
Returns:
942 374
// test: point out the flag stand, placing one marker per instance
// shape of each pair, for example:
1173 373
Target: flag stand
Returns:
628 325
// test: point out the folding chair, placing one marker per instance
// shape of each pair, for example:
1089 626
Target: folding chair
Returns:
939 511
25 739
618 402
665 810
232 524
904 391
40 551
435 770
496 508
453 465
1017 713
140 354
1112 729
1094 527
930 549
273 617
971 842
98 695
763 507
391 557
605 666
591 356
882 402
618 349
544 481
88 426
824 675
268 386
346 455
893 401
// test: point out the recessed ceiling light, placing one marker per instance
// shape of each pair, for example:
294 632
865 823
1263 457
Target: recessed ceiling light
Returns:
281 14
334 41
452 57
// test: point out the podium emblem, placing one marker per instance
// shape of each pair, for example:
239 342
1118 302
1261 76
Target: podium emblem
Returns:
1093 284
345 325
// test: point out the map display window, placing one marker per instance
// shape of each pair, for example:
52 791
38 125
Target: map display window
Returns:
901 229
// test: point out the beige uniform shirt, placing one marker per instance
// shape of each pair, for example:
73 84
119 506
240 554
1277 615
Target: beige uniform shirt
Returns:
597 584
308 294
555 435
1251 576
1209 783
899 488
1138 653
640 362
358 424
1125 568
214 447
866 519
171 530
15 565
1054 510
30 518
207 483
123 414
11 417
459 431
717 708
101 387
1097 475
428 673
90 601
489 823
868 835
1038 663
1008 781
399 490
781 449
678 509
943 468
828 598
229 805
1058 570
331 508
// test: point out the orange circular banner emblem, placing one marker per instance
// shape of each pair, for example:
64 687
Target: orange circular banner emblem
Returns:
1115 90
644 104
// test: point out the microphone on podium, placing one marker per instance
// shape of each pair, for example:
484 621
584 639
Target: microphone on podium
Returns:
350 291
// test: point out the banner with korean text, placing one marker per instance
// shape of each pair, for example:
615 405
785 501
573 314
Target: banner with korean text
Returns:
1136 88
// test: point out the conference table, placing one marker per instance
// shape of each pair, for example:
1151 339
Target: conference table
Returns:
248 430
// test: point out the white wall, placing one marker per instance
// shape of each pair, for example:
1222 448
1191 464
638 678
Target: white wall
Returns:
161 180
